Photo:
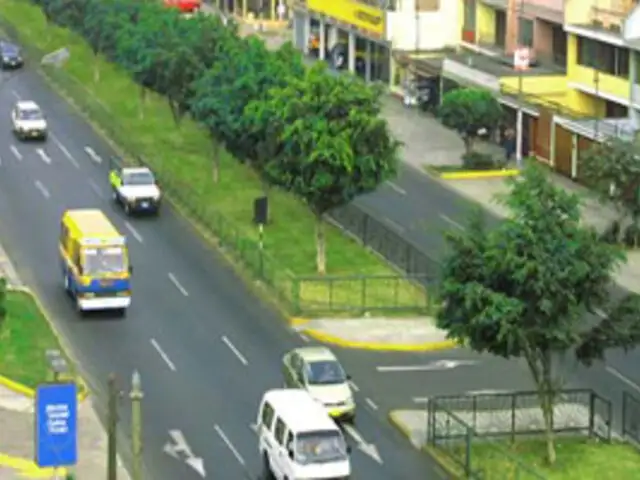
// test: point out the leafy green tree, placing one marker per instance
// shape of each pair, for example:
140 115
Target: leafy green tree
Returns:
332 143
612 171
524 288
144 48
469 111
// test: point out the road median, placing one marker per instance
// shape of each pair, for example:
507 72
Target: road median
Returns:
358 281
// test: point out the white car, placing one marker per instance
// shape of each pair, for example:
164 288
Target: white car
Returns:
135 188
28 121
317 370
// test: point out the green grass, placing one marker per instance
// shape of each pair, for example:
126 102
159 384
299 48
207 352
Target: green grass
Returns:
25 336
578 458
182 157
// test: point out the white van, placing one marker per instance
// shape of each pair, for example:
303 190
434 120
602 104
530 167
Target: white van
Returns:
298 438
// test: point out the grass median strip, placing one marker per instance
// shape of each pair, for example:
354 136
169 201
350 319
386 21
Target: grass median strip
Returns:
25 336
578 458
183 155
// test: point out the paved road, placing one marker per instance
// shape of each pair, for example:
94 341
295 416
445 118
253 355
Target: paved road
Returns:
205 347
420 208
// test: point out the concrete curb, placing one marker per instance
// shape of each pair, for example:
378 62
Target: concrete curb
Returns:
21 389
299 324
478 174
393 419
445 470
28 468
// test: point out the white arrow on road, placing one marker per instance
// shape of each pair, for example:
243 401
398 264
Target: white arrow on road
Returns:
367 448
43 155
178 445
429 367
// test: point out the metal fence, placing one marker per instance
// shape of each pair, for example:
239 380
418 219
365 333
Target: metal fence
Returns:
458 426
398 251
631 418
305 295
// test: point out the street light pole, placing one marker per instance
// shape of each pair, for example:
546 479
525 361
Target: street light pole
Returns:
112 425
136 396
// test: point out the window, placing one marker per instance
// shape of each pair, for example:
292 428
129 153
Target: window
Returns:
320 447
325 373
500 25
469 21
267 416
280 431
526 32
104 261
289 445
605 58
559 45
64 234
615 110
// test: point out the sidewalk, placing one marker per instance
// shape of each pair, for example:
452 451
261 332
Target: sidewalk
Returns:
377 333
17 427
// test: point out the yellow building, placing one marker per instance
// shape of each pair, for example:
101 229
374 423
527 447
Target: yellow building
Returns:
599 62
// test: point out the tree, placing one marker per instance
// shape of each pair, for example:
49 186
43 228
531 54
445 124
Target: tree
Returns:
469 111
612 171
331 146
524 288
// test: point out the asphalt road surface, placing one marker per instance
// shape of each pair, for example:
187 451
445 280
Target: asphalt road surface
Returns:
420 208
205 347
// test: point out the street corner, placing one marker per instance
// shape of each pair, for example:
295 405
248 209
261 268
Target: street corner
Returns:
412 424
24 468
383 335
477 174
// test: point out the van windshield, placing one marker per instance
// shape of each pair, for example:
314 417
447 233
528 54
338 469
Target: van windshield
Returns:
320 447
104 261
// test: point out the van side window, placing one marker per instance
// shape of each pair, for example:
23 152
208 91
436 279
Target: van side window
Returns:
289 444
63 235
280 431
267 416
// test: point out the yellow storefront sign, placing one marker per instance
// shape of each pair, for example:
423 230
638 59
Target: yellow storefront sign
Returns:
357 14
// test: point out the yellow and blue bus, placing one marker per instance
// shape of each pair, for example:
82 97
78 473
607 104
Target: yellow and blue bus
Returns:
95 262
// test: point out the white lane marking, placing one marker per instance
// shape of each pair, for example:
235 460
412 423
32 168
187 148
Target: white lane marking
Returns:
43 155
133 231
229 445
397 227
64 150
93 155
43 190
622 378
398 189
354 387
235 351
163 354
451 222
178 285
15 152
420 399
371 403
95 188
486 391
304 338
0 161
16 95
438 365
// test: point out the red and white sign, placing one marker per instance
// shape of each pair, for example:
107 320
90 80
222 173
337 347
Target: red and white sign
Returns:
521 58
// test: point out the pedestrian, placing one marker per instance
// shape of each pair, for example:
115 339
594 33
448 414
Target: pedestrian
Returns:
509 143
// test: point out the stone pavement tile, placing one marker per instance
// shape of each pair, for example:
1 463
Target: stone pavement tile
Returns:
414 331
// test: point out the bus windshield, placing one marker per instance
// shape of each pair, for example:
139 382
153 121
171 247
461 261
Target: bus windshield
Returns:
104 261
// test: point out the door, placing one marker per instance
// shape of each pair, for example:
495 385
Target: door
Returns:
279 458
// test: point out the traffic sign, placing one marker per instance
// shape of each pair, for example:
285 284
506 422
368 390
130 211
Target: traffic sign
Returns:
56 425
521 58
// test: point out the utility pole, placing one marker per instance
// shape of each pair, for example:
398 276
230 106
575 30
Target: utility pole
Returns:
112 423
136 396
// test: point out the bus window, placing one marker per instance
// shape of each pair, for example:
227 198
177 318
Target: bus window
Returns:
101 261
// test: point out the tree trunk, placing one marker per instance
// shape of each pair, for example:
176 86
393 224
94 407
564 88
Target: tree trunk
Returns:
142 102
321 254
215 172
174 112
468 143
547 402
96 69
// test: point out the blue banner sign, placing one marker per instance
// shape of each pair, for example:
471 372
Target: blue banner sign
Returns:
56 425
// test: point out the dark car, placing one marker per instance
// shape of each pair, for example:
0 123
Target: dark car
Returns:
10 56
